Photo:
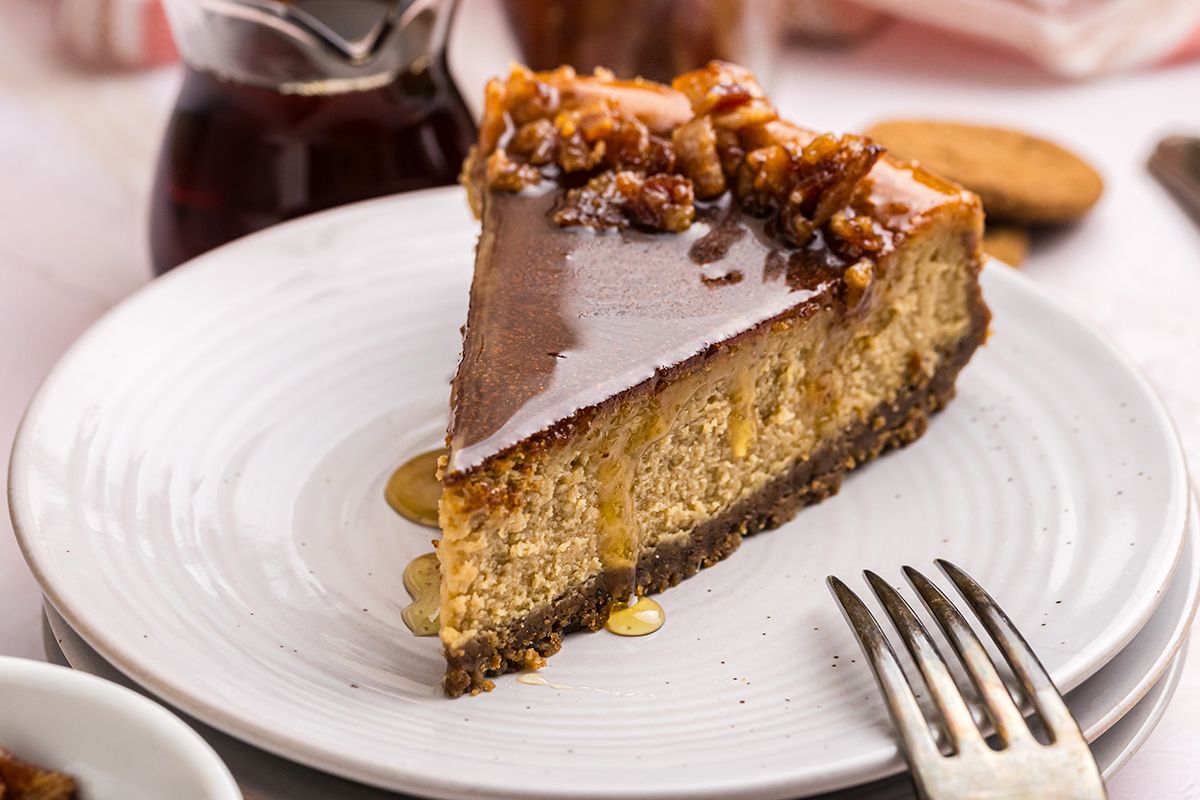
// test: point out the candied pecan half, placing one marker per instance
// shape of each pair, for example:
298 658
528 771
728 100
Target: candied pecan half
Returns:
718 87
528 97
598 204
22 779
730 96
765 179
831 168
788 136
807 191
856 280
575 152
508 175
856 234
627 144
696 148
618 198
596 119
660 156
536 141
664 202
731 152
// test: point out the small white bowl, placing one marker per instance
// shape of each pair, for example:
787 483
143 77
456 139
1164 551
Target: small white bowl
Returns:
117 744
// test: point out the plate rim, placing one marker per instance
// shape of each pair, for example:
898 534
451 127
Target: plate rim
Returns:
272 740
1166 684
1177 642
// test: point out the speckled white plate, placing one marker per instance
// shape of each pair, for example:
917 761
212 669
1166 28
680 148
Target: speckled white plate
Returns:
1116 708
198 486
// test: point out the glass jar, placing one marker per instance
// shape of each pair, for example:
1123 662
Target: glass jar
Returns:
653 39
290 108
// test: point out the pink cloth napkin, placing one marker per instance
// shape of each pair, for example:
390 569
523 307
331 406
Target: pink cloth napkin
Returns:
1073 38
116 33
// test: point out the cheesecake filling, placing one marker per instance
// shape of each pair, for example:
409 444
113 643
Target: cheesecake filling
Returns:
644 474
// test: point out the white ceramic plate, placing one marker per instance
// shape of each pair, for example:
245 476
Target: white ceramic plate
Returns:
1116 708
198 487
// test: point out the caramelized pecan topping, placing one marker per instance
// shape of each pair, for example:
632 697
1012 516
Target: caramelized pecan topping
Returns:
614 199
644 152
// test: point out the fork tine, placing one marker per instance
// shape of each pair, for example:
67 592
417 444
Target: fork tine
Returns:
1055 715
916 740
1010 725
964 733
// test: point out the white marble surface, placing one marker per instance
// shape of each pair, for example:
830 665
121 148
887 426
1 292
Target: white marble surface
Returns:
77 151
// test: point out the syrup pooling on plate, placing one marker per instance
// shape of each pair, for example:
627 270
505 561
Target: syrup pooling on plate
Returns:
423 581
414 490
642 616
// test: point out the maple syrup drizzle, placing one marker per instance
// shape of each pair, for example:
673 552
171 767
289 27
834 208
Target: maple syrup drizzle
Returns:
639 618
645 422
423 581
533 679
743 423
414 490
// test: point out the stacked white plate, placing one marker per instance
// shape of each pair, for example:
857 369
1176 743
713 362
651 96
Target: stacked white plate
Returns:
198 486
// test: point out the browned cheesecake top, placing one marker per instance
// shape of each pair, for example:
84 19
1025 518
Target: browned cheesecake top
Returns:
566 314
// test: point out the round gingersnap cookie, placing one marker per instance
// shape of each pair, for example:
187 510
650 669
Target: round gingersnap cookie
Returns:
1020 178
1008 243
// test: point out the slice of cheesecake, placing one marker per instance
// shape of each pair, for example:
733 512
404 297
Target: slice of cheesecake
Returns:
688 319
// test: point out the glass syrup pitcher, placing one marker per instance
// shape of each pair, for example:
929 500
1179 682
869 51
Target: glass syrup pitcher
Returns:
293 107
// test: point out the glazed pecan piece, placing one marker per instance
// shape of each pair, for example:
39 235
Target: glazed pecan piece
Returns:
719 87
724 135
825 177
695 145
536 141
507 175
619 198
20 779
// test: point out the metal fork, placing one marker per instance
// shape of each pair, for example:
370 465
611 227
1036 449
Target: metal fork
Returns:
1023 768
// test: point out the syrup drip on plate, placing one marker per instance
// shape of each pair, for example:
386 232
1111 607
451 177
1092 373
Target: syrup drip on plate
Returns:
423 580
533 679
414 490
639 618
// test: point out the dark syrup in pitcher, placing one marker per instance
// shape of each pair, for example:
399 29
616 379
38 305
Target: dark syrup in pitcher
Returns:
237 158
